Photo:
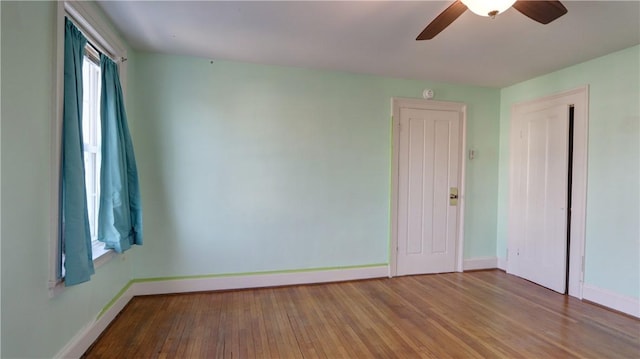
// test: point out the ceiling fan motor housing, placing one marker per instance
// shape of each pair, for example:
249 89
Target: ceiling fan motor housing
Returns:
489 8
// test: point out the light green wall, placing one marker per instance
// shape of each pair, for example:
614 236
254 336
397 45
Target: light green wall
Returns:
243 168
34 325
613 194
254 168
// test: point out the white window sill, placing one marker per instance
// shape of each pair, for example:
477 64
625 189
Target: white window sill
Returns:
100 257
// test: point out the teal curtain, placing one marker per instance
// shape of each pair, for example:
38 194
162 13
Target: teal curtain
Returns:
75 233
120 214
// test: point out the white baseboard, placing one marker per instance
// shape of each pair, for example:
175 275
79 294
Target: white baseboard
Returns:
613 300
79 344
258 280
480 263
502 263
87 335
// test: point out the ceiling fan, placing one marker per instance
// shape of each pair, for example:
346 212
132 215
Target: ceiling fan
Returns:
543 12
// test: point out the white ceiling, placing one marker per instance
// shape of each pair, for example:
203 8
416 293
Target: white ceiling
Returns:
378 37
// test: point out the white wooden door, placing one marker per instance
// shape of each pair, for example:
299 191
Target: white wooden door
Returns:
538 203
428 170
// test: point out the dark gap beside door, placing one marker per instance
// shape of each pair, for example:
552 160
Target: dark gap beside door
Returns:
569 185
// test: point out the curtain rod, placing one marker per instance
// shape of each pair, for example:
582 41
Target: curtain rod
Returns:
120 60
90 40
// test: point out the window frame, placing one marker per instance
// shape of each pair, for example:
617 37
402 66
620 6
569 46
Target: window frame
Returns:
91 22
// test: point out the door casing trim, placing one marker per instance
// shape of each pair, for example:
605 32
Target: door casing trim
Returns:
396 104
579 97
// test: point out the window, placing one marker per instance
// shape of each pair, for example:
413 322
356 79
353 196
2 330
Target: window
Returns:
91 138
101 38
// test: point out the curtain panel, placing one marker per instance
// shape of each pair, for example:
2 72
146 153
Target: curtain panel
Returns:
74 217
120 214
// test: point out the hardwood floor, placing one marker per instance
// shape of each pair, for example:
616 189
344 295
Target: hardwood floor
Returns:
486 314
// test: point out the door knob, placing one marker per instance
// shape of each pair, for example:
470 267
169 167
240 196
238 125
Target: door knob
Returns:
453 196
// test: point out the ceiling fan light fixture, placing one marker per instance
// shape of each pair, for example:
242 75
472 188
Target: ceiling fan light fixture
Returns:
488 7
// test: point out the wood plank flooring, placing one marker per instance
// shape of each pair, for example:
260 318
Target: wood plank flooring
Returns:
485 314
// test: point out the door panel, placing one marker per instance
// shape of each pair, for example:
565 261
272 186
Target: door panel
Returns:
539 197
428 167
442 163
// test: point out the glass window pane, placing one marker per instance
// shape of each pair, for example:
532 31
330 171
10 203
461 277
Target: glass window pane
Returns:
91 139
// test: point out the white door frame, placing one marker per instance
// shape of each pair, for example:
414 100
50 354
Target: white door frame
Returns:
396 104
578 97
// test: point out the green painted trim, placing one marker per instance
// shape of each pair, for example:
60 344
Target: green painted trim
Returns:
115 299
161 279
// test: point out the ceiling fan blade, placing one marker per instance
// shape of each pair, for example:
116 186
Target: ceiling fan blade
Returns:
541 11
443 20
